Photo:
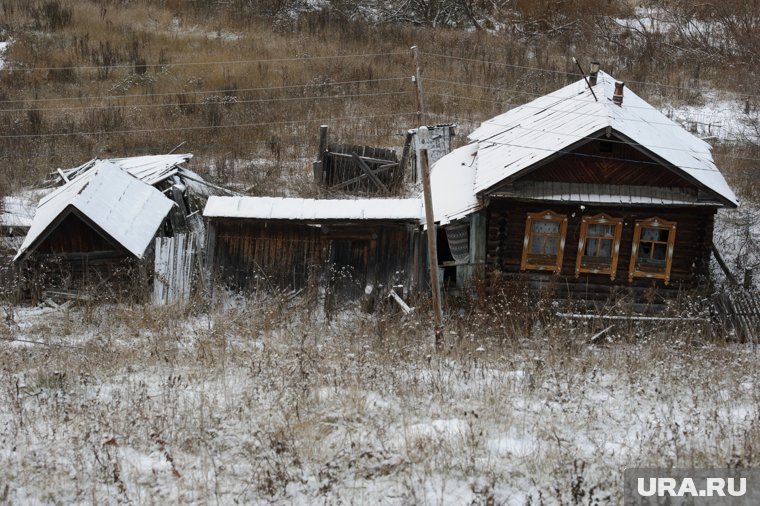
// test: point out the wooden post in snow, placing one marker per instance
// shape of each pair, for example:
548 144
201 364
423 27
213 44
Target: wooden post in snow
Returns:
417 79
422 138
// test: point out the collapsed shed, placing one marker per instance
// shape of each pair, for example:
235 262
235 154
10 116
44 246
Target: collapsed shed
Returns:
96 232
88 230
350 246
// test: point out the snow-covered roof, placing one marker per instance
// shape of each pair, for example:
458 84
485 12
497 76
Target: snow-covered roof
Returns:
452 183
527 135
124 207
150 169
275 208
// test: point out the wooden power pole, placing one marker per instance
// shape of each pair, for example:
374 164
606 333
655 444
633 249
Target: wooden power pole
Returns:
423 139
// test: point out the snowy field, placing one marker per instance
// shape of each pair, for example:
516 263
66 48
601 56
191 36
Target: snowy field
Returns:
255 404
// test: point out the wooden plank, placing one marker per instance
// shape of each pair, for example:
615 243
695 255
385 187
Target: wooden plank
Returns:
723 266
369 172
405 155
381 169
370 159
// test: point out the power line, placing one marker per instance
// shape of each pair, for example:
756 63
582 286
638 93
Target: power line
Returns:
671 124
567 73
518 91
212 62
218 90
501 64
189 104
589 155
178 129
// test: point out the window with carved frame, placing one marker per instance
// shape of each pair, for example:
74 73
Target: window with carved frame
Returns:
599 245
544 242
652 251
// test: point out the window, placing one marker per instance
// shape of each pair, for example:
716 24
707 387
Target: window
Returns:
599 245
652 252
544 241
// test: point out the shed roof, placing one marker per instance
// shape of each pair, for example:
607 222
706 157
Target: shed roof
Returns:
522 138
124 207
276 208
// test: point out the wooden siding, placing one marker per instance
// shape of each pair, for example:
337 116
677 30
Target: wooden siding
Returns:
72 234
251 254
624 165
506 231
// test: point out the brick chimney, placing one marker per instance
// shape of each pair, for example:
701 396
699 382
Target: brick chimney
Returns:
617 97
594 72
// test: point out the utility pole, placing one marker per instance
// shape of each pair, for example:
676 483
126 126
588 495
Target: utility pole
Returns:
423 138
417 80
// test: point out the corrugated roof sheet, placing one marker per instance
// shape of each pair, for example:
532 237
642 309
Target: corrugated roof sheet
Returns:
127 209
150 169
520 138
275 208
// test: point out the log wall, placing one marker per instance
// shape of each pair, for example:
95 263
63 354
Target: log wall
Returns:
691 254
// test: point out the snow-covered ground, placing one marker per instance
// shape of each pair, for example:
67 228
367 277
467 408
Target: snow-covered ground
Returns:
737 237
3 49
721 116
263 403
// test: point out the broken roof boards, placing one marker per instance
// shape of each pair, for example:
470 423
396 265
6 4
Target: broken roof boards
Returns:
506 146
126 209
150 169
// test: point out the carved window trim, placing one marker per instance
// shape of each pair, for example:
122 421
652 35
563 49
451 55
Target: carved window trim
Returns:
611 267
652 271
552 263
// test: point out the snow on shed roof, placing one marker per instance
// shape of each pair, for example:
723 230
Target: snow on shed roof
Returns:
276 208
127 209
526 135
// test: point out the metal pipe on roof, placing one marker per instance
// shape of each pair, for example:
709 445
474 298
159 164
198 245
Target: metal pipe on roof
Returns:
594 72
617 97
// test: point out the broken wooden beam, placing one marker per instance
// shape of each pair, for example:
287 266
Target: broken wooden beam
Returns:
404 306
729 275
381 169
363 165
369 159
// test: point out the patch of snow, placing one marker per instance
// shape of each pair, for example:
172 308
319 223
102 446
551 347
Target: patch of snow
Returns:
721 118
4 49
276 208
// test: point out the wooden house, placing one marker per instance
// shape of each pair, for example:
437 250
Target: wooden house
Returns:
589 189
349 246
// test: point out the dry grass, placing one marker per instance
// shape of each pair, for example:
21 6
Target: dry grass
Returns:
253 404
67 54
